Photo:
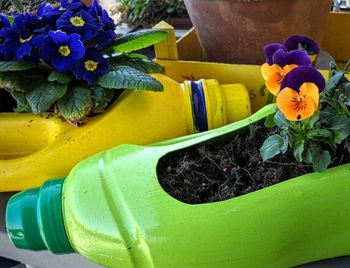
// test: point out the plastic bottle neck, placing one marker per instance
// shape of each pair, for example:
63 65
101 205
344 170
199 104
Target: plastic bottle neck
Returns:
34 219
209 105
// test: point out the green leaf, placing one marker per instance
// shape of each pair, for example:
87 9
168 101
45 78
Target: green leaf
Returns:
333 81
146 66
273 146
76 104
312 120
319 133
10 18
340 122
340 135
59 77
125 77
101 97
280 120
307 156
137 40
269 121
320 160
347 144
44 94
298 151
137 56
328 113
22 103
18 5
13 81
10 66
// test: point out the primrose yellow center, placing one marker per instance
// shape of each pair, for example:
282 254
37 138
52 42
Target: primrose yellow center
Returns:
1 40
77 21
23 40
64 51
91 65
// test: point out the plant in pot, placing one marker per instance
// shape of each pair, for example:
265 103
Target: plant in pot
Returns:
175 198
149 12
241 27
67 58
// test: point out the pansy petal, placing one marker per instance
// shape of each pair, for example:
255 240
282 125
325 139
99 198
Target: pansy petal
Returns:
293 107
283 58
269 70
271 49
301 75
310 90
292 43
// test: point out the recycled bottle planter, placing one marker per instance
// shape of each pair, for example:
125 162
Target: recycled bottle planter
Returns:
235 31
112 209
35 148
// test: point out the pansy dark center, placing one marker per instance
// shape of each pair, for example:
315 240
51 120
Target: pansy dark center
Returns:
24 40
77 21
64 51
91 65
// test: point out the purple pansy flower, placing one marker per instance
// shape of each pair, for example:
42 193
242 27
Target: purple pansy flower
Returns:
271 49
283 58
301 42
301 75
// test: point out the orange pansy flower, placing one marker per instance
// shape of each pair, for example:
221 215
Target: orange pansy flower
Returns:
299 105
274 74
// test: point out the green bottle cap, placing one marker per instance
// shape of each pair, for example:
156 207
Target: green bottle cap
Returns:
34 219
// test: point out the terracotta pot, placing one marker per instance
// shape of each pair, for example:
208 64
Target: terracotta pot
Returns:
236 31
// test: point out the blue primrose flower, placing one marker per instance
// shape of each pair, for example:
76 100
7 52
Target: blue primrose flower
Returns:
50 13
92 65
62 51
23 39
81 23
4 22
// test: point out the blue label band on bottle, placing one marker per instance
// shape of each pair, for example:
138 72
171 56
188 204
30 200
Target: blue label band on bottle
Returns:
198 106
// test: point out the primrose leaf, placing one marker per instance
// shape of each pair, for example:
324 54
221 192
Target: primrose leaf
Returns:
273 146
10 66
269 121
125 77
101 97
22 103
280 120
334 80
298 150
10 18
18 5
61 78
137 40
76 104
143 65
320 160
13 81
44 94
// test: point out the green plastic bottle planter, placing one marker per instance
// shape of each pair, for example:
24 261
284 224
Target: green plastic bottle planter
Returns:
116 214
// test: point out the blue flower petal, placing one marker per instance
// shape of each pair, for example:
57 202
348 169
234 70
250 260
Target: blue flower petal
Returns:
63 64
23 50
4 22
77 48
301 75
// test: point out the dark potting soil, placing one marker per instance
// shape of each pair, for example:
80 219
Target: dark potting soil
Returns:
219 171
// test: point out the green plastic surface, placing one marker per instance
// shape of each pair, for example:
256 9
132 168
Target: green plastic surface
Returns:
34 219
116 214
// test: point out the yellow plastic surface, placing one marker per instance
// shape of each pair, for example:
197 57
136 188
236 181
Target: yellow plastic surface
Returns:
36 148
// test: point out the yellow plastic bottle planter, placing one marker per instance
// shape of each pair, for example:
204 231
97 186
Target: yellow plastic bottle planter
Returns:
35 148
112 209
